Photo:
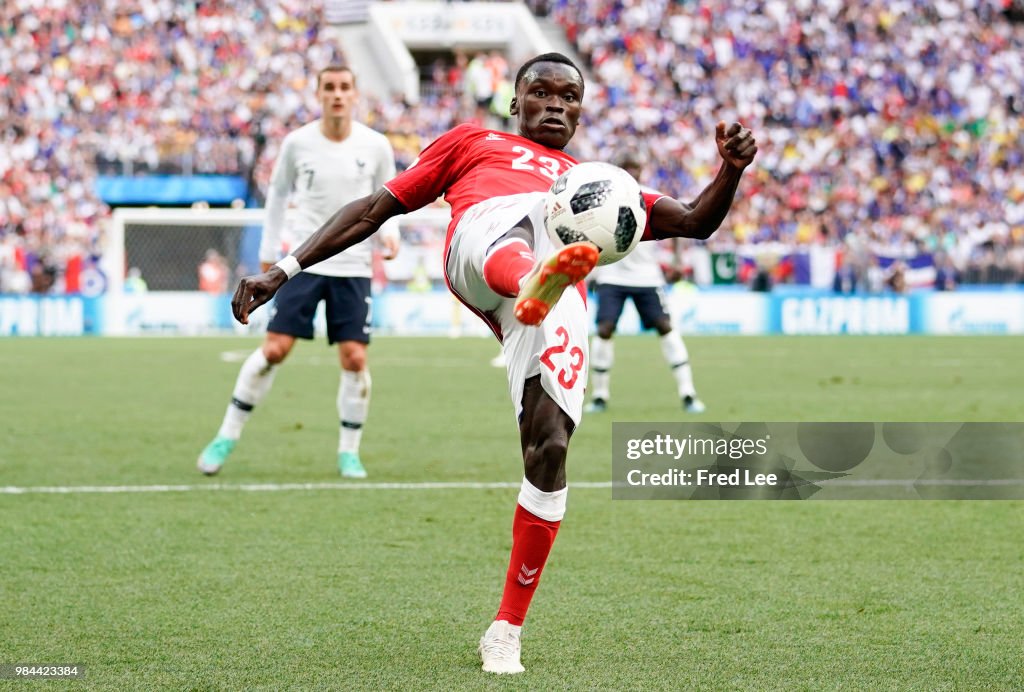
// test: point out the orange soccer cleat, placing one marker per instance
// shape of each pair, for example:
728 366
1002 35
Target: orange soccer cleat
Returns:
549 279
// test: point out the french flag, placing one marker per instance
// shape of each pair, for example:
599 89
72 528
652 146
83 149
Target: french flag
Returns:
920 271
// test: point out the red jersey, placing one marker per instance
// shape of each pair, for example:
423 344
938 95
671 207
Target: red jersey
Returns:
469 164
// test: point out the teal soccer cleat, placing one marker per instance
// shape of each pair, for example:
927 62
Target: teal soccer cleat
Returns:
350 466
215 454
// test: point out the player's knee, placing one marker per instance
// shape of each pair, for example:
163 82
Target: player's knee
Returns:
353 356
276 350
356 363
549 452
663 326
544 463
605 330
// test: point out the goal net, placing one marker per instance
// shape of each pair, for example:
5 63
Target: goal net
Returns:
162 250
166 246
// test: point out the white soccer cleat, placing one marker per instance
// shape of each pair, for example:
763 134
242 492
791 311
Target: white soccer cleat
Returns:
691 404
499 648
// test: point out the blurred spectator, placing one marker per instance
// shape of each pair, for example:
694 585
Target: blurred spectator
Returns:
480 81
874 277
946 276
846 276
896 279
13 275
42 274
134 283
214 273
762 278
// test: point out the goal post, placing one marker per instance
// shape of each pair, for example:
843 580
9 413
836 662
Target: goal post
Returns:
167 245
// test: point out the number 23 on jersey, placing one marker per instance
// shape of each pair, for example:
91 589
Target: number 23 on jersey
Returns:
570 360
550 167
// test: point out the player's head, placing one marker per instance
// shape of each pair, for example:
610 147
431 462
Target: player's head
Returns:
548 100
630 159
336 91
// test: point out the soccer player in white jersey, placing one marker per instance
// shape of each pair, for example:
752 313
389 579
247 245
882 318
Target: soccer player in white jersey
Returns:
637 277
321 166
495 183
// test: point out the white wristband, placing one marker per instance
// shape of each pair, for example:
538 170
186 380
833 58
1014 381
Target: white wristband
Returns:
289 265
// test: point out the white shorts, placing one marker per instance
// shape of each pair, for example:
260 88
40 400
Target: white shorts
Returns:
558 349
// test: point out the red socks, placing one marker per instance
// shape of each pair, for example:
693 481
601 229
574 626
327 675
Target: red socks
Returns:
506 265
532 538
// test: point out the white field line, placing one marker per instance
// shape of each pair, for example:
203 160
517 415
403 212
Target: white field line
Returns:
269 487
888 482
281 487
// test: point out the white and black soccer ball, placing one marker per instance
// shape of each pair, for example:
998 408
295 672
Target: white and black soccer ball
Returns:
600 203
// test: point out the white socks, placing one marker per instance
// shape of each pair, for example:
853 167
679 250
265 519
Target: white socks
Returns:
353 405
602 356
547 506
255 380
674 350
253 383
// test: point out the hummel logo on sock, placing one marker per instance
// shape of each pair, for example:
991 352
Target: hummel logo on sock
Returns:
524 572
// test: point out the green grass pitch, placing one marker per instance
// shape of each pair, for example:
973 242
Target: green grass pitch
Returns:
391 589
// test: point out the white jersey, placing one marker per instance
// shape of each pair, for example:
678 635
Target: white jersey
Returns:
639 268
322 176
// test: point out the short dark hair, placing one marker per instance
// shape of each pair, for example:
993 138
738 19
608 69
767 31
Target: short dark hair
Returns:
335 68
545 57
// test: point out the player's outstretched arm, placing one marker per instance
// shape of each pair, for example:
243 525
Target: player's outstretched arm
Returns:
702 217
351 224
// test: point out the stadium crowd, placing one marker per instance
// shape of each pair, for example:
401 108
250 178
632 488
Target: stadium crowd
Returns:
892 129
134 87
885 128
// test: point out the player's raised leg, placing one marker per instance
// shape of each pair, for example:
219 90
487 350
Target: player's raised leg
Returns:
542 288
511 270
507 262
251 387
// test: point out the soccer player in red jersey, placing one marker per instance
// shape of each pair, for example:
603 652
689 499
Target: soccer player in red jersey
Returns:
495 183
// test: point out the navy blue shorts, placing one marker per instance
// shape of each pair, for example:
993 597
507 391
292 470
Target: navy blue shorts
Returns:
647 299
348 305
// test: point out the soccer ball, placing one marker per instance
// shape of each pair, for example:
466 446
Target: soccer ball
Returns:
600 203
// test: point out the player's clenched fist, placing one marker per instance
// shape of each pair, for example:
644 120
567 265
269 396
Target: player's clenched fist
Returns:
736 144
254 291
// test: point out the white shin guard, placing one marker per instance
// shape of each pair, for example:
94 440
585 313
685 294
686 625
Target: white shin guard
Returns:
353 407
252 386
